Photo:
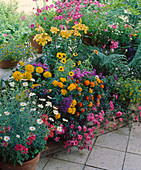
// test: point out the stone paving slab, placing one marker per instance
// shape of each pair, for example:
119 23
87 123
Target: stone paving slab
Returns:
134 145
136 130
106 158
132 162
90 168
56 164
113 140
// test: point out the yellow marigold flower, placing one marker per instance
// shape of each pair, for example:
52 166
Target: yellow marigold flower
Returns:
98 80
47 74
60 84
62 79
74 64
71 73
79 62
96 52
70 110
63 60
27 75
61 68
21 63
17 75
134 35
91 104
39 70
29 68
55 83
71 87
35 85
90 90
73 110
64 92
75 54
57 116
74 102
54 30
63 55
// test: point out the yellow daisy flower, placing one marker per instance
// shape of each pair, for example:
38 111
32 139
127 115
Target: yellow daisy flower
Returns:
71 73
61 68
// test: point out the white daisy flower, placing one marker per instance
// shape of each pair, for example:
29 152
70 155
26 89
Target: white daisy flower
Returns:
12 84
59 128
6 113
25 84
3 90
23 104
48 104
32 128
17 136
41 99
49 97
55 108
34 102
0 114
51 119
65 120
33 109
97 77
32 94
22 109
32 79
12 89
6 138
39 121
12 98
55 112
40 105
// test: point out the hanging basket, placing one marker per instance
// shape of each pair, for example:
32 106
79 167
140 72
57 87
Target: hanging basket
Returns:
7 64
35 45
28 165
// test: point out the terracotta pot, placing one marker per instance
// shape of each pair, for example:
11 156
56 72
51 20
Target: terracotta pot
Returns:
7 64
35 45
29 165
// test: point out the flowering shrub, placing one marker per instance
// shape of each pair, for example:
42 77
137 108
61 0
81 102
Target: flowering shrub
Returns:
23 125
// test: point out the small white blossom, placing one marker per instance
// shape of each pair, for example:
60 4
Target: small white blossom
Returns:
32 128
55 108
3 90
41 99
32 94
65 120
49 97
12 84
23 104
97 77
25 84
22 109
17 136
55 112
51 119
6 113
48 104
32 79
12 98
39 121
40 105
0 114
33 109
6 138
59 128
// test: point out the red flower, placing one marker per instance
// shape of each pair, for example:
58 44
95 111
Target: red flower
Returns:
87 98
44 117
52 128
31 139
51 134
4 144
77 114
80 104
83 110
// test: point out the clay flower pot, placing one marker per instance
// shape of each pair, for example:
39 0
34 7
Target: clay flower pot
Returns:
7 64
35 45
28 165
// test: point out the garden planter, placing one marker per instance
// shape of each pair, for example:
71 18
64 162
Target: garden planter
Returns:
7 64
29 165
35 45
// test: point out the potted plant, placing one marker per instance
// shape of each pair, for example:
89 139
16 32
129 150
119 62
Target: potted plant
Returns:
11 53
23 128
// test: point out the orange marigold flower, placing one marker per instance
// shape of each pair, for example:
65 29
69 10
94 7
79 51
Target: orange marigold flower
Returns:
79 94
86 82
92 98
92 84
99 96
101 81
102 86
98 80
96 52
98 101
60 84
79 89
90 90
77 81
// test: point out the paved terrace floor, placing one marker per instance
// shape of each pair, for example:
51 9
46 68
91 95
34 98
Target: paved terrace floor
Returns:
117 150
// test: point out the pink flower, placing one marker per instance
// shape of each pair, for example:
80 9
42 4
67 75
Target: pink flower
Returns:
119 114
139 107
102 132
80 137
90 1
84 128
79 128
90 148
32 25
120 119
81 147
86 2
72 126
104 46
5 34
96 2
114 26
39 10
107 7
45 18
61 26
106 13
131 34
106 30
95 11
22 18
57 139
59 11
